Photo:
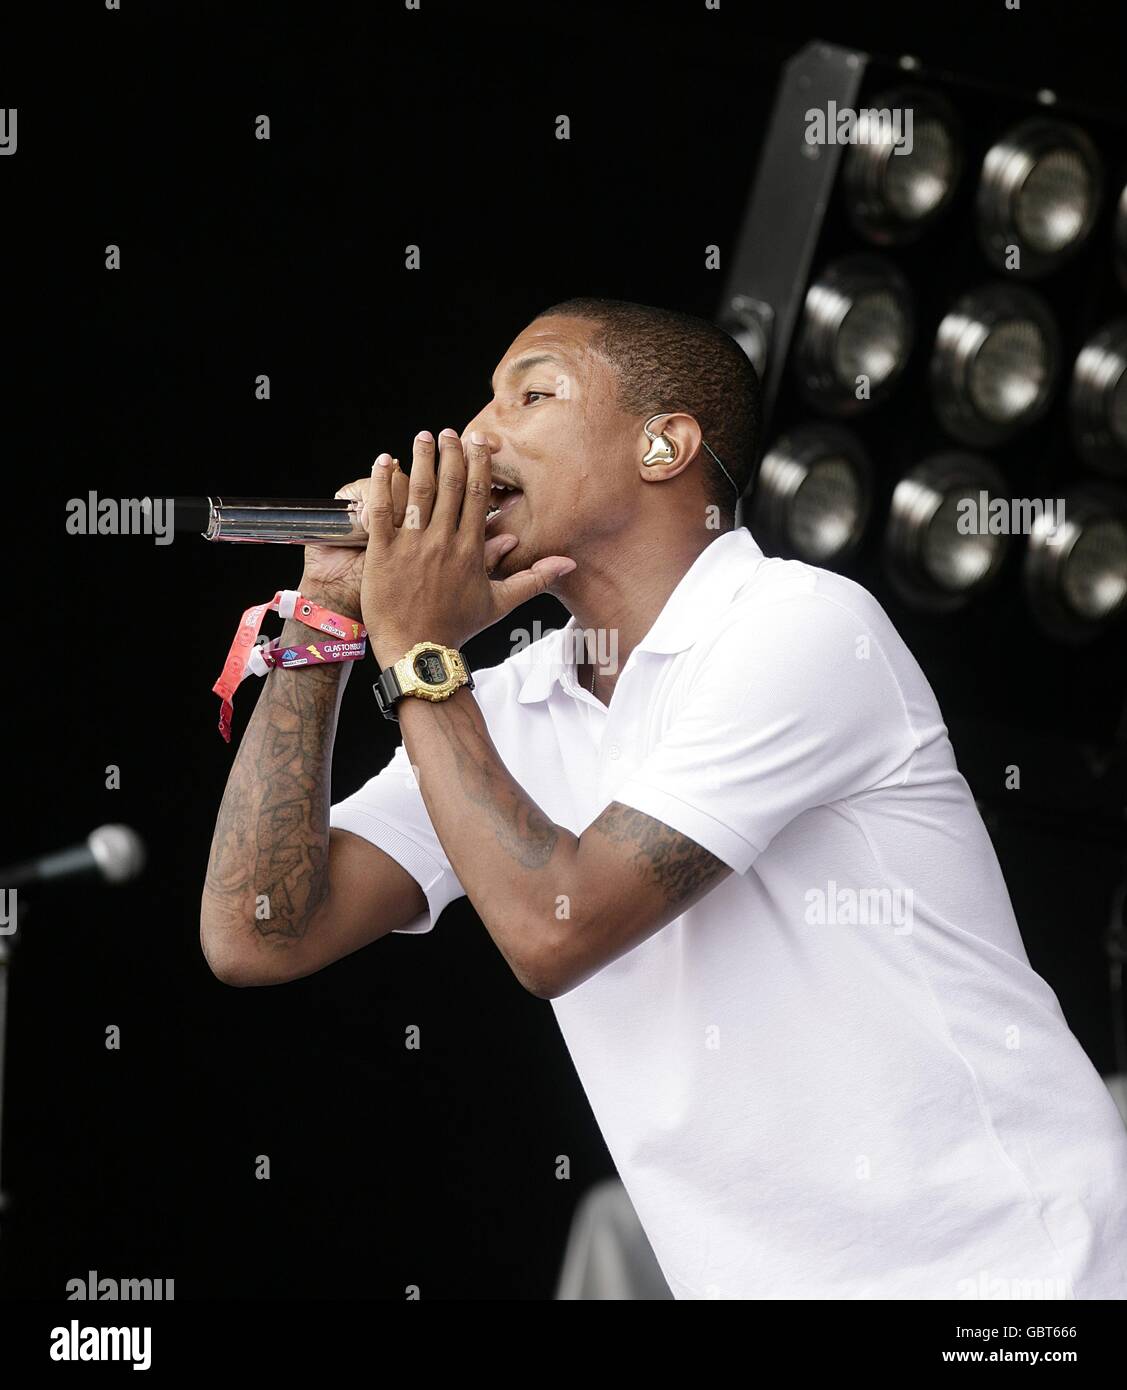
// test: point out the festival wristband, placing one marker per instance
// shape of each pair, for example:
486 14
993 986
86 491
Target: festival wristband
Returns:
245 658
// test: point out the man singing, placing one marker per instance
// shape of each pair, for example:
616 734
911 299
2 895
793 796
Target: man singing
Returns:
715 819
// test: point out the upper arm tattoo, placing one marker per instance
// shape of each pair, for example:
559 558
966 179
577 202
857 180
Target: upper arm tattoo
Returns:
676 866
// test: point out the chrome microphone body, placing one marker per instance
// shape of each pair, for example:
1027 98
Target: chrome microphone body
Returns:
272 520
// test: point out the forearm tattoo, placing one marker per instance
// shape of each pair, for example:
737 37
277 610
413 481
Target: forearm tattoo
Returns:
269 861
522 829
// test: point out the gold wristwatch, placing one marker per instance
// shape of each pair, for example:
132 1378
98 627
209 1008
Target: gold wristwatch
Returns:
428 671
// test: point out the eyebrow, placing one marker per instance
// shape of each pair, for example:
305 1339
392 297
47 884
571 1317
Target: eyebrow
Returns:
522 364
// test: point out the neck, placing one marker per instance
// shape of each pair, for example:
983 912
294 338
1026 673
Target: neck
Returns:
621 593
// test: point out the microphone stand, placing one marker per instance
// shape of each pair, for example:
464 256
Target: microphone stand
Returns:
7 950
1115 947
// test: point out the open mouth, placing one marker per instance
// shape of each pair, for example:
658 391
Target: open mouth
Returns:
504 499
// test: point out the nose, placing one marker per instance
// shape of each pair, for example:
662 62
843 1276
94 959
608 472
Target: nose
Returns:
481 426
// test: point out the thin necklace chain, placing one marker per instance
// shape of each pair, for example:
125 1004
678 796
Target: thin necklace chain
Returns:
590 689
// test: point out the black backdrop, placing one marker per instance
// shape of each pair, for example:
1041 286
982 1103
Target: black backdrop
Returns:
389 127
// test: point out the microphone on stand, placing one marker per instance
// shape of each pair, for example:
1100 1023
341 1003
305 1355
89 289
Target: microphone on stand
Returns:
115 853
272 520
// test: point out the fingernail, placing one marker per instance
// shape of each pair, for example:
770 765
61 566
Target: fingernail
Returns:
476 437
425 436
382 461
448 434
565 569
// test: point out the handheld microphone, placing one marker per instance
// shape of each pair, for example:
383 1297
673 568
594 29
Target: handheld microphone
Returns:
272 520
115 853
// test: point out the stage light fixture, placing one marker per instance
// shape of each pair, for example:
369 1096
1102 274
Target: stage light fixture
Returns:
750 323
1015 360
1038 195
995 364
856 334
1076 570
936 558
894 196
1099 399
813 495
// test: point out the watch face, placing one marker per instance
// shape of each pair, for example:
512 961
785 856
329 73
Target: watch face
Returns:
430 668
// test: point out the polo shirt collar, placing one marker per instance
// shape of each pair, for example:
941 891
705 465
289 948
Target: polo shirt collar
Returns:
708 585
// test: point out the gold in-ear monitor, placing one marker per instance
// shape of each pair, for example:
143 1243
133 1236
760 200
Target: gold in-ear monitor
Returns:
661 449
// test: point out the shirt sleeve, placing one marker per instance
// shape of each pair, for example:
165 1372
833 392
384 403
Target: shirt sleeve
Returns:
389 811
793 706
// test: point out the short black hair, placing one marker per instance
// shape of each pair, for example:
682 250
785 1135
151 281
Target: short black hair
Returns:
670 361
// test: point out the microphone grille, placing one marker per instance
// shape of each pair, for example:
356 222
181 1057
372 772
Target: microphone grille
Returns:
118 851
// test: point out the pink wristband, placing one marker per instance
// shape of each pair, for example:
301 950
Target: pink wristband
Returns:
245 658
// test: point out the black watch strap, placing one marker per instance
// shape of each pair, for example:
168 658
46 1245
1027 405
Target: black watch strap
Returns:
387 691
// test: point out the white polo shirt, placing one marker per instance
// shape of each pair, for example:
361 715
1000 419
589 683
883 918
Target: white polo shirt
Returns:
836 1076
